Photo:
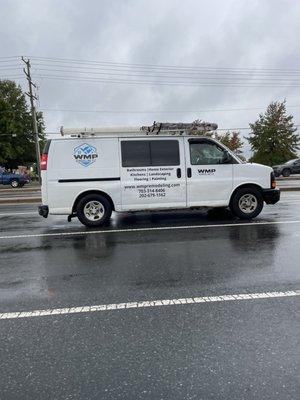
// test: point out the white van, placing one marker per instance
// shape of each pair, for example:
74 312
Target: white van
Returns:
92 174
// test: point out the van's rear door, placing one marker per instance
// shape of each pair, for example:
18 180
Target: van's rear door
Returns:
153 173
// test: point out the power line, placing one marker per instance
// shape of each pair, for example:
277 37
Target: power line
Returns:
145 72
8 59
9 67
166 83
155 111
163 75
4 77
191 77
80 61
147 111
167 71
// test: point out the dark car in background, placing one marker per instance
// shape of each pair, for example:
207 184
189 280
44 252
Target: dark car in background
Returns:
288 168
14 180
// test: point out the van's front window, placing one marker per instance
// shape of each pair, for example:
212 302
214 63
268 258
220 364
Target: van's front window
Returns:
206 153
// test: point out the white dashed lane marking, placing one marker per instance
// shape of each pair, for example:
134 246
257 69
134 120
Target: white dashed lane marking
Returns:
149 229
150 303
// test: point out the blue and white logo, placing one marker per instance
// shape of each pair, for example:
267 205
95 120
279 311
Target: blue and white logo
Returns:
85 154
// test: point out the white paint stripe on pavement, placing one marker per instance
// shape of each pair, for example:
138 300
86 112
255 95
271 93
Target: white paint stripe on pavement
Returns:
149 303
149 229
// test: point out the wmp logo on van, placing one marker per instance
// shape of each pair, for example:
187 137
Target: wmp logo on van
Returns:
85 154
206 171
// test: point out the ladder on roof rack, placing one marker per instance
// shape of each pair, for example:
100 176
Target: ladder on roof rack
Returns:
192 128
197 127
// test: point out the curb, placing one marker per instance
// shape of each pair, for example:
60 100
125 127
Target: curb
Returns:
20 190
289 178
21 200
289 189
9 192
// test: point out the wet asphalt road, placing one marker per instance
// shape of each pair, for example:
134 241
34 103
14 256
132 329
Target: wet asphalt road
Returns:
245 349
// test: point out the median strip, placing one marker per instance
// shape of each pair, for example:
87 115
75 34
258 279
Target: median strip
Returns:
148 303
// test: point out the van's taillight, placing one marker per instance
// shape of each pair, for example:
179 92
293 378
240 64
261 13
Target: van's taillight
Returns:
44 159
273 181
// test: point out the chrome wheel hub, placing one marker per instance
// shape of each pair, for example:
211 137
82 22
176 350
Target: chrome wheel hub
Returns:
94 210
248 203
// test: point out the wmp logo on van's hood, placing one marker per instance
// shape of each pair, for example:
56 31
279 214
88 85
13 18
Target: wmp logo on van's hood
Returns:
85 154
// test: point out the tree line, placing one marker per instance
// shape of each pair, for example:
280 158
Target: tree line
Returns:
273 138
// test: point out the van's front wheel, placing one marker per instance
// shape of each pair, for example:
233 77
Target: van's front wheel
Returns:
93 210
247 203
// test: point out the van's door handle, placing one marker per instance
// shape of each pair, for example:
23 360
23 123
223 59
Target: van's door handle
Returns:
178 172
189 172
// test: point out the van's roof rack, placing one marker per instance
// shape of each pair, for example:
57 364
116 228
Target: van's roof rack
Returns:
197 127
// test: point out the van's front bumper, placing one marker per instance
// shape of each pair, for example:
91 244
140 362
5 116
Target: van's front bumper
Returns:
43 211
271 196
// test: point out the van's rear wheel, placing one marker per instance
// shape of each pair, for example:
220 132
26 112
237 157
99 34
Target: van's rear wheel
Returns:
93 210
247 203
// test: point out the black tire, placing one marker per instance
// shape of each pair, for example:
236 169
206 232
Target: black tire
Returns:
88 204
286 172
14 183
251 196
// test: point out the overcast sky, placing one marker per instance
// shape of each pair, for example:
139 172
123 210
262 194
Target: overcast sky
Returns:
217 34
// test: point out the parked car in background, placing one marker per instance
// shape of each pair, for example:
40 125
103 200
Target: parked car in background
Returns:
14 180
288 168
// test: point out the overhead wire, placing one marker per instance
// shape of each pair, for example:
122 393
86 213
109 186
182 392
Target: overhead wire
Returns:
153 111
145 69
51 59
92 71
89 71
147 75
165 83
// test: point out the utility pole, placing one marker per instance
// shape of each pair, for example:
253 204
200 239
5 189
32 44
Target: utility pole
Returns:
32 97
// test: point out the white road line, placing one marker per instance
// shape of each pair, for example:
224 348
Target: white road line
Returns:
148 303
158 228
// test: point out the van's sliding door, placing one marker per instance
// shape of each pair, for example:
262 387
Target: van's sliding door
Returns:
153 173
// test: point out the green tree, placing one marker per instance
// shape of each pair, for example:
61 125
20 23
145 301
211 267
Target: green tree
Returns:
272 138
231 140
16 135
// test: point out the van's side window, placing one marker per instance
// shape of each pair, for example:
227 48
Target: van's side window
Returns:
146 153
206 153
135 153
